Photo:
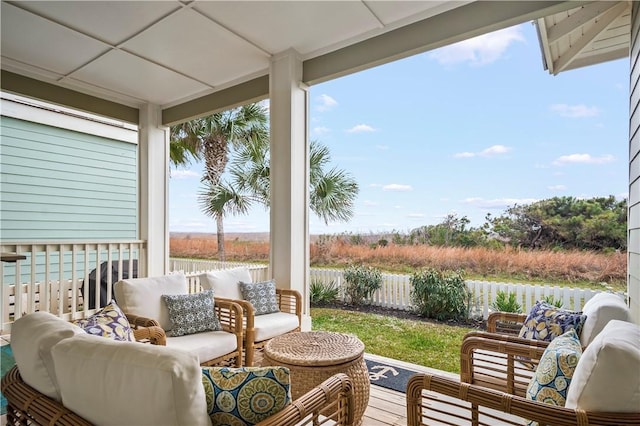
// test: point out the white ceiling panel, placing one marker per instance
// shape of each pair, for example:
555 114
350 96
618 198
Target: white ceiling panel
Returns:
306 26
70 51
110 21
165 43
128 74
391 12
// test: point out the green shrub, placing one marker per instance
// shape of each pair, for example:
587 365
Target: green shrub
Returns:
440 295
552 301
321 292
504 303
362 282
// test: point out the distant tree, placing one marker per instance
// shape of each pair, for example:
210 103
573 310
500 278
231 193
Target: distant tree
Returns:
565 222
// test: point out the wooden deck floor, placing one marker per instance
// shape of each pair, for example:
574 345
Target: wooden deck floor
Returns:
388 407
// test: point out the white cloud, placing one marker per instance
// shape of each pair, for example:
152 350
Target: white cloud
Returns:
320 130
582 159
497 203
481 50
396 187
375 185
557 188
464 155
492 151
183 174
415 215
382 147
370 203
326 103
361 128
574 111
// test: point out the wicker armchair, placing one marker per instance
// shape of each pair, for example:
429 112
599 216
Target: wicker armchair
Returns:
258 329
433 399
331 402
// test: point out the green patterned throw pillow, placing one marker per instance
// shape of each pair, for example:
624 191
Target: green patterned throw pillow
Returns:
551 381
261 295
247 395
108 322
192 313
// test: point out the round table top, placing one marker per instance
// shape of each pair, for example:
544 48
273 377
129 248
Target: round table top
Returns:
314 348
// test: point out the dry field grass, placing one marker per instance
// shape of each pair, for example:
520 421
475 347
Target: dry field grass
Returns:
574 267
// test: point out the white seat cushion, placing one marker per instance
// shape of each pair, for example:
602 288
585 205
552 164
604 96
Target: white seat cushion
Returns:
32 337
143 296
207 345
126 383
225 282
271 325
600 309
607 376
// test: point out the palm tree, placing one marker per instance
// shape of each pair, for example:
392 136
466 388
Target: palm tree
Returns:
210 138
331 192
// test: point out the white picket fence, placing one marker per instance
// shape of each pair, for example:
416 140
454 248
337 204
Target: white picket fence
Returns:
395 292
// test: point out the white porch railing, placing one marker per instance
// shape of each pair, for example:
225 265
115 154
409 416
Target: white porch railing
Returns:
55 276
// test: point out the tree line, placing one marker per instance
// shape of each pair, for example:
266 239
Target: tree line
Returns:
598 223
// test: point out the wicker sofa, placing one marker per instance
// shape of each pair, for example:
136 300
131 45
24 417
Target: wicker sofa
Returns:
65 376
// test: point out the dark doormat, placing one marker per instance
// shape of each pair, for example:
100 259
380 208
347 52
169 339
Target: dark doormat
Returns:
6 362
388 376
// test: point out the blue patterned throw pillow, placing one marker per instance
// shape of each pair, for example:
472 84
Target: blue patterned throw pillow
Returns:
551 381
261 295
109 322
546 322
247 395
192 313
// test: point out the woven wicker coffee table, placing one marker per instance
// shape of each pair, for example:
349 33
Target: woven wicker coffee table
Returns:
314 356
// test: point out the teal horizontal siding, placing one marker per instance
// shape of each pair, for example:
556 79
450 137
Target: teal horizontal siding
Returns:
57 184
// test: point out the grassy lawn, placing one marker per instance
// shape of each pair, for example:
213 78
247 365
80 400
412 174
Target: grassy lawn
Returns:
424 343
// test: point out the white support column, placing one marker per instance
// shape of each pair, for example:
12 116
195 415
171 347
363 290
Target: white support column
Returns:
289 234
153 191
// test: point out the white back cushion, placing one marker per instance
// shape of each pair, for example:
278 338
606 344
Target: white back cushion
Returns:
225 282
126 383
143 296
600 309
32 337
607 377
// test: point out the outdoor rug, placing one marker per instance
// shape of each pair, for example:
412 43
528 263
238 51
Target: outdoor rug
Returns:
6 362
388 376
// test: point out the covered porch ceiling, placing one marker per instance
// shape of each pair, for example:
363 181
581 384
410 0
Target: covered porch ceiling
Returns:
192 58
586 35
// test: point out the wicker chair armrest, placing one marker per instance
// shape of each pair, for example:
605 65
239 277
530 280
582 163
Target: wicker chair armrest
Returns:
230 314
28 406
153 334
424 406
507 338
499 363
138 321
290 301
514 320
333 398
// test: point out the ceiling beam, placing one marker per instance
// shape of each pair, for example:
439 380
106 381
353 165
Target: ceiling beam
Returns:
455 25
251 91
583 42
25 86
580 17
620 53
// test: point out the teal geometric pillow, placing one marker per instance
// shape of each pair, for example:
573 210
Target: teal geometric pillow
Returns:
546 322
261 295
247 395
192 313
109 322
555 371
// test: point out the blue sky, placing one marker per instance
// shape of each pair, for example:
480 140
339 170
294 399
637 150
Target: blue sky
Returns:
470 129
